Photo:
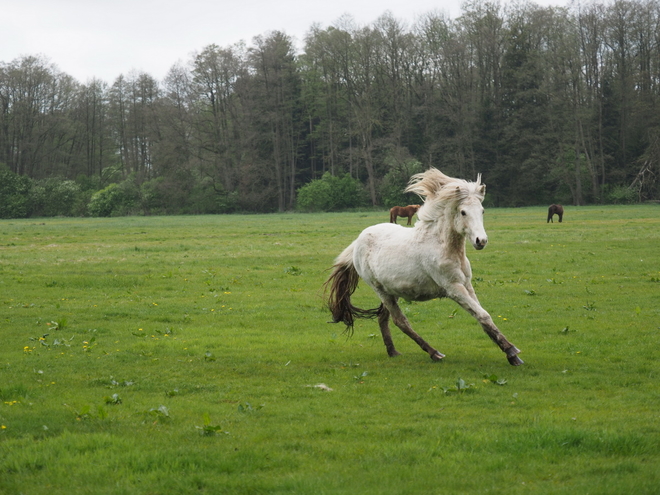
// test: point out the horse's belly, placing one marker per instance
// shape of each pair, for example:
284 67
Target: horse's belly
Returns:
417 292
406 285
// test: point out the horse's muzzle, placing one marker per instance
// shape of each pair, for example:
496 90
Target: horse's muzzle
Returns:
480 243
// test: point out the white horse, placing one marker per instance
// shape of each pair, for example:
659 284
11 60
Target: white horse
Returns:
425 262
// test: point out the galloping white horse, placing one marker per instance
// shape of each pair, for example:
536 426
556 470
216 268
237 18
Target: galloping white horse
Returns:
425 262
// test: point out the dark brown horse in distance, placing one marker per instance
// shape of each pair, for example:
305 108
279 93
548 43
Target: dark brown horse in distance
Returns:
555 209
403 211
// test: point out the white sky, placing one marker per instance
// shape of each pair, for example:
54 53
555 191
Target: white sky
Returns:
107 38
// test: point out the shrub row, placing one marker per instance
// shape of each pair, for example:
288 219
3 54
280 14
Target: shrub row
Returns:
22 197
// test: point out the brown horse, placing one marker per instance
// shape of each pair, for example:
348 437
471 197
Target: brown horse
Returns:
555 209
403 211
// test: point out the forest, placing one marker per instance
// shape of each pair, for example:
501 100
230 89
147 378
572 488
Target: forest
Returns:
548 104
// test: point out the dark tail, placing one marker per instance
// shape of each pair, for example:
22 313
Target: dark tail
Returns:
341 285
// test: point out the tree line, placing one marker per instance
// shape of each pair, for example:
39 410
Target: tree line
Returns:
548 104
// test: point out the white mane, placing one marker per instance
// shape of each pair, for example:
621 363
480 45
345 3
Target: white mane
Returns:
440 191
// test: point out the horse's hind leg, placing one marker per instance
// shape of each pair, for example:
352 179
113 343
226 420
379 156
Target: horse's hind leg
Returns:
401 321
383 321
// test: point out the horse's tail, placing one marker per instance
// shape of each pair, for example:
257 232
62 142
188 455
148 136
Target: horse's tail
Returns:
392 215
341 285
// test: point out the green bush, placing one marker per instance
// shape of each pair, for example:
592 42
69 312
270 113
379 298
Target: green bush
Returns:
206 199
331 193
155 198
115 200
56 197
102 202
396 180
14 195
621 195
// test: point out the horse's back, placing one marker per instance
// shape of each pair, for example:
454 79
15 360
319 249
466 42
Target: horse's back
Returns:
383 239
384 232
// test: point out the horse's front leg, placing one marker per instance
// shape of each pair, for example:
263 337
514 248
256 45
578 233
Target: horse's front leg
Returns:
462 296
400 320
383 322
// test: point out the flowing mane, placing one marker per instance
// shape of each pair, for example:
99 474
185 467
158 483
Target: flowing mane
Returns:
440 191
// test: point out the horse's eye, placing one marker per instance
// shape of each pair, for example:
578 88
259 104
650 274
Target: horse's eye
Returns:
463 212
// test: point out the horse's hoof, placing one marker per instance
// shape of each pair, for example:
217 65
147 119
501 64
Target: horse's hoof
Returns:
437 356
515 360
393 353
512 351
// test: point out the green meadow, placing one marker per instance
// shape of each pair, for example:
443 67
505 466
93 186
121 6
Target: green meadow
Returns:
176 355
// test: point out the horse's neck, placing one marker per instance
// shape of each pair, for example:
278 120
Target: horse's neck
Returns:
455 243
443 232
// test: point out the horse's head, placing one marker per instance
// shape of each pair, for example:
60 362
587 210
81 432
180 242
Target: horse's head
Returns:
454 200
469 221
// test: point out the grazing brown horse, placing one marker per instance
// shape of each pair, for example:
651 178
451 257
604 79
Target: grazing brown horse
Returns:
403 211
555 209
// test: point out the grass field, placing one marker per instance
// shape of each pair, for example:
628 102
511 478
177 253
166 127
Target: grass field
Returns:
182 355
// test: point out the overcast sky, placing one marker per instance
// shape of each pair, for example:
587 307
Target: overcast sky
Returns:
106 38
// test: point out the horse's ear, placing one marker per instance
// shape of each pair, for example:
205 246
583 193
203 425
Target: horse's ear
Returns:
482 189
